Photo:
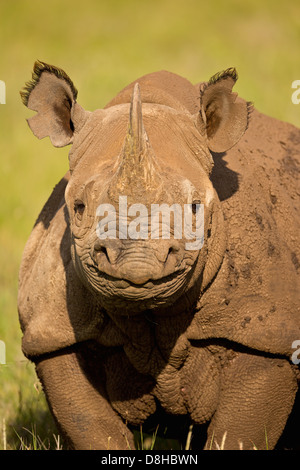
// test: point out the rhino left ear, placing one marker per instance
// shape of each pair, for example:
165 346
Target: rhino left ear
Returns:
53 95
225 119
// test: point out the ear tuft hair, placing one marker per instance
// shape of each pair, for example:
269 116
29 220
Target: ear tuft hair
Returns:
230 72
250 109
38 68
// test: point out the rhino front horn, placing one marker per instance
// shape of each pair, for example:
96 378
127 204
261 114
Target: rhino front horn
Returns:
136 141
137 163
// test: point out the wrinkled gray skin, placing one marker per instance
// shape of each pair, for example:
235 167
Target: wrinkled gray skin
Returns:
128 332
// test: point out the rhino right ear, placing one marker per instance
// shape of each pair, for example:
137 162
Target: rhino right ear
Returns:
53 95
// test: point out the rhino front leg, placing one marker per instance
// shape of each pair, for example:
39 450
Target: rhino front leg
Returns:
256 398
80 407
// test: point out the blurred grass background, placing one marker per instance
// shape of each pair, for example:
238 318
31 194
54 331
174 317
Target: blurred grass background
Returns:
103 45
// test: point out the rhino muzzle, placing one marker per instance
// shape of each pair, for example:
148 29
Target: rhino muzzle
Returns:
136 261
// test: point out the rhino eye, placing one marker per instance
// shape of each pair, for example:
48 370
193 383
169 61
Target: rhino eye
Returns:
195 207
79 208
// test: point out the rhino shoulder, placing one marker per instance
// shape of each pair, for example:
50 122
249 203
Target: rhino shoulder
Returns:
255 299
55 309
55 202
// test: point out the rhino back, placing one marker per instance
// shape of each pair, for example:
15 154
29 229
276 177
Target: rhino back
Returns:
255 299
163 88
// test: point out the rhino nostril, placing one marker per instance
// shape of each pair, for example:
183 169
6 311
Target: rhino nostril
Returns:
101 249
104 250
173 250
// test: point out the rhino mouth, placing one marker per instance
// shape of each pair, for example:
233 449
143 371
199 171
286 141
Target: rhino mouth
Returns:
126 283
154 292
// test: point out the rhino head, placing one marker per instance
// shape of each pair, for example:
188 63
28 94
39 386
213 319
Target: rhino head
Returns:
139 169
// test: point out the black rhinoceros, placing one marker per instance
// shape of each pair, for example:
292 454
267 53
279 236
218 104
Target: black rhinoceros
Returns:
129 320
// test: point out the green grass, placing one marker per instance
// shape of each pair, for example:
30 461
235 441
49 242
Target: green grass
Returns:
103 45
